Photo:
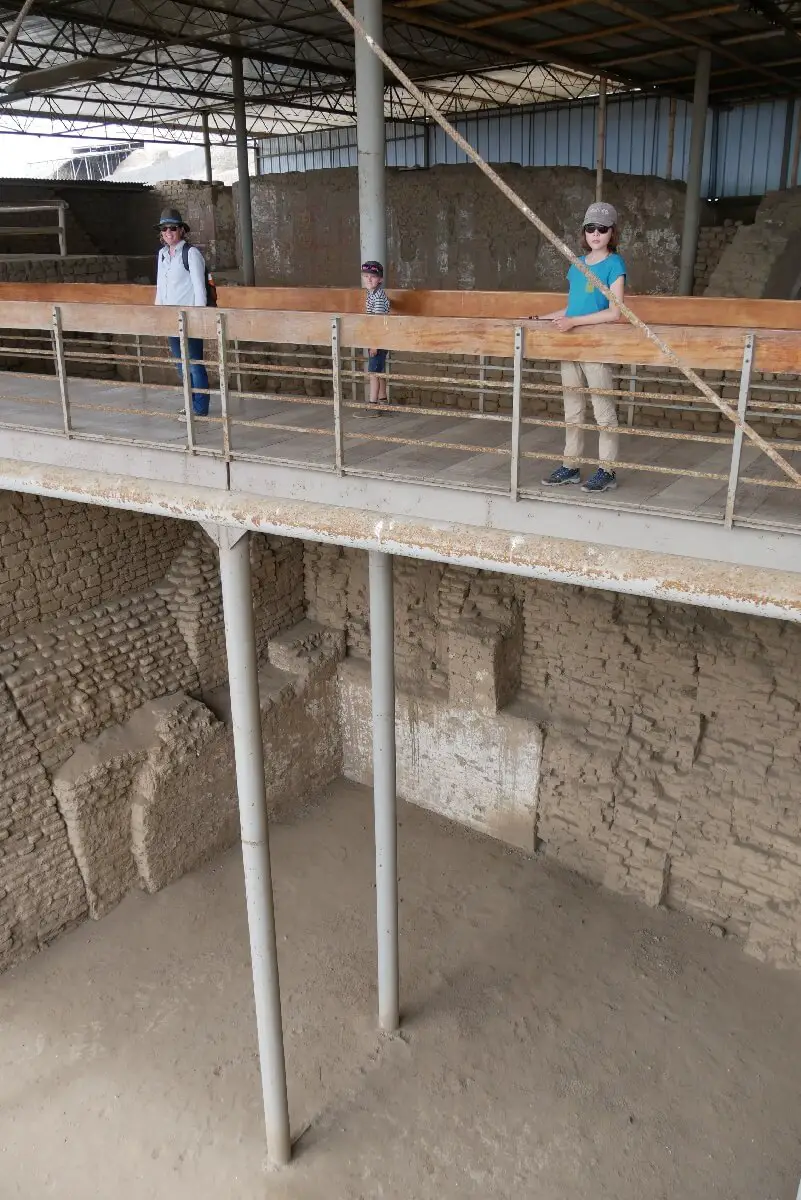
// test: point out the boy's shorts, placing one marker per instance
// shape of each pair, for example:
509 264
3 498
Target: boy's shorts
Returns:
377 363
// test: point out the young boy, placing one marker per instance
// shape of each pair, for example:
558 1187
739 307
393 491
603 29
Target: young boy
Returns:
377 303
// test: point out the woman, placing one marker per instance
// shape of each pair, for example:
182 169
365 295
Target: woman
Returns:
587 306
181 280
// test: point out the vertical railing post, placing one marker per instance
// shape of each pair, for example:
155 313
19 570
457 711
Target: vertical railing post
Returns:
482 379
517 407
237 365
633 390
139 363
737 443
187 380
222 355
354 387
62 230
336 380
61 369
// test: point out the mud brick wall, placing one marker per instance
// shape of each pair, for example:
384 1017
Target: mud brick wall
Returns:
671 759
447 227
194 595
71 680
57 559
41 892
764 258
712 241
101 613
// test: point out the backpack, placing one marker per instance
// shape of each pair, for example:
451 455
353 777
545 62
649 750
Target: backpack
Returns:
211 287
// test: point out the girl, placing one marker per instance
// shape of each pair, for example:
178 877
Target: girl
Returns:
586 306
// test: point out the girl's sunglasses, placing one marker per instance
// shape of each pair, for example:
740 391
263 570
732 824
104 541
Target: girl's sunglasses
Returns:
597 228
171 229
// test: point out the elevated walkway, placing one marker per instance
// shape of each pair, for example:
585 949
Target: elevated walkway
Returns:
452 468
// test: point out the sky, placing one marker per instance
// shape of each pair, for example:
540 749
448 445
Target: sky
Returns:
36 156
19 151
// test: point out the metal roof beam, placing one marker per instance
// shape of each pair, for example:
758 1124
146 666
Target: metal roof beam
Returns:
702 43
515 52
114 25
518 14
773 13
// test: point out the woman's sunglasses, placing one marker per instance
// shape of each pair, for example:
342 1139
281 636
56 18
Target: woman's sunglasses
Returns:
171 229
597 228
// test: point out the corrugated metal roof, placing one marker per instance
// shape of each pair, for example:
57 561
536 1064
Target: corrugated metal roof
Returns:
173 57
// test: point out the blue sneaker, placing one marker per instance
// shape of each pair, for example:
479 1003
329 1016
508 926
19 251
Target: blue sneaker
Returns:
601 481
562 475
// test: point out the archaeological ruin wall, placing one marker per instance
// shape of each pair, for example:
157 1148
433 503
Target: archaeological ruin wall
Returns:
651 747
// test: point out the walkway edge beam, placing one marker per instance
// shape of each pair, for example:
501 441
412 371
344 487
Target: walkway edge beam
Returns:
660 576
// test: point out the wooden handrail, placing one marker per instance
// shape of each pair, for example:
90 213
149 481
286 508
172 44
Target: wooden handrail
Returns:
707 311
700 347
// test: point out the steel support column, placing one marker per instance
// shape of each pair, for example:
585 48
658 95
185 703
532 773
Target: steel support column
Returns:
692 204
243 169
382 668
600 140
240 642
370 135
207 146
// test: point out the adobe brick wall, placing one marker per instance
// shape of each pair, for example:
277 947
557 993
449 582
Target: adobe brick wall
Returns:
449 228
652 747
96 624
671 740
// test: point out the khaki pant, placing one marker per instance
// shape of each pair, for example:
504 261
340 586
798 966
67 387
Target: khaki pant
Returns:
589 375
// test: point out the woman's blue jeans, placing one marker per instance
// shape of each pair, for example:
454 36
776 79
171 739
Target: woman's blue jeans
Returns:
197 372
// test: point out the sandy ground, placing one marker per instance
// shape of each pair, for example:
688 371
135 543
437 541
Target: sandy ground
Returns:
559 1042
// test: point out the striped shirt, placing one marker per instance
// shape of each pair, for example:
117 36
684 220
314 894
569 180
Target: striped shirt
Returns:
377 303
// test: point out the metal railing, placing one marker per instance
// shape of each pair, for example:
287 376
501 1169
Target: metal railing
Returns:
503 425
59 230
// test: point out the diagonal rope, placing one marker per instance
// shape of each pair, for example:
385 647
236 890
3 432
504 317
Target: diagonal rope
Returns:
14 30
565 250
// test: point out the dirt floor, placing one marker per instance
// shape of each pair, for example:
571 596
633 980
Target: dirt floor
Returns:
559 1042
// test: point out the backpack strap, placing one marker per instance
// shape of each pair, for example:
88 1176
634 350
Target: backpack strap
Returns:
185 256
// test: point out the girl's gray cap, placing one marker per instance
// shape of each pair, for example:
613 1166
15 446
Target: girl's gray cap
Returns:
601 213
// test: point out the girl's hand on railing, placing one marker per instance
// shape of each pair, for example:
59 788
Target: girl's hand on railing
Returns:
564 324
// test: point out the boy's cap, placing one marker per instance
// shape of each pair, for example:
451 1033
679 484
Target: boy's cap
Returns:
601 213
372 267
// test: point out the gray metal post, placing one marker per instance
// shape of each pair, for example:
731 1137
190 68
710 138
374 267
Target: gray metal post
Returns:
61 369
243 170
243 679
382 668
787 143
62 230
737 441
671 138
370 135
600 141
222 355
186 379
336 383
204 117
517 412
692 204
793 180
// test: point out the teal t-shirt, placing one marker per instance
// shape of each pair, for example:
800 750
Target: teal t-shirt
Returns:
582 297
